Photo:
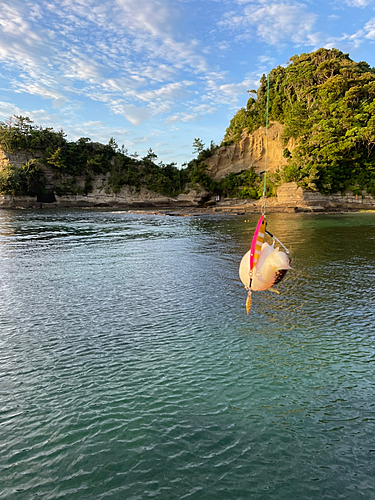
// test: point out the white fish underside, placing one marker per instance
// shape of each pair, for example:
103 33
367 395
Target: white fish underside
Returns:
267 269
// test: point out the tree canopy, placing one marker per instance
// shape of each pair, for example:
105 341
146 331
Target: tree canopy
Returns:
71 160
326 102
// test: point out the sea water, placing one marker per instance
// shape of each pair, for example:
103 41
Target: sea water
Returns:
130 370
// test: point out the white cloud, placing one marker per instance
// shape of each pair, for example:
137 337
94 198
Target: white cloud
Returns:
96 130
356 39
8 109
134 115
228 93
153 16
370 29
80 67
36 89
13 23
166 92
273 23
358 3
59 102
195 113
121 52
19 43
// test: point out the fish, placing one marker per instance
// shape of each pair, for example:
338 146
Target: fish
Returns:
270 268
267 270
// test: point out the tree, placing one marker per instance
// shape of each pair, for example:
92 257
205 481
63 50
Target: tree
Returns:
113 144
198 146
151 156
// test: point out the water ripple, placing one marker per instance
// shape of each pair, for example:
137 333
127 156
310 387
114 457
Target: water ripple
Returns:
129 369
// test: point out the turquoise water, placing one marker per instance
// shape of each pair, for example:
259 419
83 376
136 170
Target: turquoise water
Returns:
130 370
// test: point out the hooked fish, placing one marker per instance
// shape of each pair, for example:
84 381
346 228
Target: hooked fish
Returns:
270 268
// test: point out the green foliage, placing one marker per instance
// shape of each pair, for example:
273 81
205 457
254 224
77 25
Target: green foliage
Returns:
165 179
326 102
70 161
10 181
28 180
286 153
19 133
238 123
249 193
197 174
245 184
198 146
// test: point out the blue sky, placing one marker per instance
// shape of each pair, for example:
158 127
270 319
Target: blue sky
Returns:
159 73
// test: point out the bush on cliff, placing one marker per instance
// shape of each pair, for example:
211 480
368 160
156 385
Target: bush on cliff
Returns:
244 185
28 180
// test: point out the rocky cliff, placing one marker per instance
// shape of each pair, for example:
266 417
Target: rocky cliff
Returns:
21 157
100 196
290 197
250 152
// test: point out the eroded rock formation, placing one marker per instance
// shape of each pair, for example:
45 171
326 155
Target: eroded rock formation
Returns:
250 152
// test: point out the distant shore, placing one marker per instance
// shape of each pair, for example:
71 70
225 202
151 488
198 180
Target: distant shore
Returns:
174 208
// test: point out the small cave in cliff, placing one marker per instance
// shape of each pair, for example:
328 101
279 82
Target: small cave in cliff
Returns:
46 197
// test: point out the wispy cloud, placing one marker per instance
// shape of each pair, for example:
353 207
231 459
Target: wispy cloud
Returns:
354 40
135 115
166 92
218 89
274 23
108 50
369 29
195 113
359 3
8 109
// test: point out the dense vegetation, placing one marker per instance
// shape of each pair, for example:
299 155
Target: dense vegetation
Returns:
75 164
326 102
71 162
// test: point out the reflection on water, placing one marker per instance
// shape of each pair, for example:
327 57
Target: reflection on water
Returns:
129 368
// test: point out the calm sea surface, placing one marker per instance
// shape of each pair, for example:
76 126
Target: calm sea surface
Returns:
130 370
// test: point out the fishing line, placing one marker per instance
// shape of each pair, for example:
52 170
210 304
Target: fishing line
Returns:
266 149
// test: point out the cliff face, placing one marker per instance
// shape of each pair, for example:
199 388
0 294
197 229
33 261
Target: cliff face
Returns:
250 152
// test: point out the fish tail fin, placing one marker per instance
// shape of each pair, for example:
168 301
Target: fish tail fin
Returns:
248 302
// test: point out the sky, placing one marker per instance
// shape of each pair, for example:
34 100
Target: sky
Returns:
159 73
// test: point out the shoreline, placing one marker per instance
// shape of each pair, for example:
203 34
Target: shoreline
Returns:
227 206
290 198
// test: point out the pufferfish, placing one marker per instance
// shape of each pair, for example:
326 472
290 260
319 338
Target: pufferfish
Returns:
270 269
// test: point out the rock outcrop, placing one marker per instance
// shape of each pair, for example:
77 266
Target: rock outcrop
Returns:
290 195
250 152
126 198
